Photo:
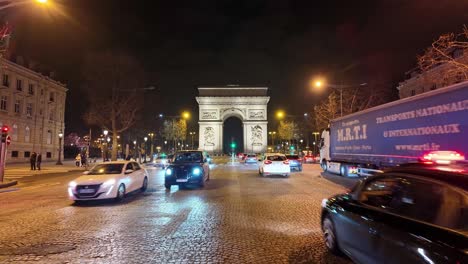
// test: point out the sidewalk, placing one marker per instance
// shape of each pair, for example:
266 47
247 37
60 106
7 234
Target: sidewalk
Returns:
14 172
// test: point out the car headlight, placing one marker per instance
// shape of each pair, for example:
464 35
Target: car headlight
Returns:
196 171
72 184
109 182
324 203
169 171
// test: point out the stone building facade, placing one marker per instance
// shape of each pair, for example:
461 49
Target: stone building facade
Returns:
33 106
437 77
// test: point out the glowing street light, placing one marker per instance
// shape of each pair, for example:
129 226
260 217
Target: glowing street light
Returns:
185 115
280 114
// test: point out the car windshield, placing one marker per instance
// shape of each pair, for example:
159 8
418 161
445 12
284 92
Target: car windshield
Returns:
276 158
184 157
115 168
292 156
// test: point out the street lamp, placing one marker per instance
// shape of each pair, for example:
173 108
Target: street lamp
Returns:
59 160
315 141
13 3
280 114
151 135
192 134
272 135
146 151
319 83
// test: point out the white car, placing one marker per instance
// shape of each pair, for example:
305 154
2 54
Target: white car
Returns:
274 163
110 180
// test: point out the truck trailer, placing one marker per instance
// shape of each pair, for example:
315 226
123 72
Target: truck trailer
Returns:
430 127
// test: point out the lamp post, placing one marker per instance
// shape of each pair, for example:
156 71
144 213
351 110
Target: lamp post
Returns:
165 145
146 148
315 141
104 145
135 144
59 160
192 134
151 135
272 135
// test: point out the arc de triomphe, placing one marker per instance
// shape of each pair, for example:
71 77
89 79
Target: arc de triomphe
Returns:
249 104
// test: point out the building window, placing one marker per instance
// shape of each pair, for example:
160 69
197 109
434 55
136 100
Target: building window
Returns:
31 89
27 134
17 106
49 155
19 85
49 137
52 115
14 132
27 154
51 96
6 80
413 92
14 154
3 103
29 109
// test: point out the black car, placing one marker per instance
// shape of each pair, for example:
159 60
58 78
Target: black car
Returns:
410 214
187 167
295 162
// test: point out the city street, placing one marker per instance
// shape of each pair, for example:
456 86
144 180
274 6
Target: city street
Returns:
239 217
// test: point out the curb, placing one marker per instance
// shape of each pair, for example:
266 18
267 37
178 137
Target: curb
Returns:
8 184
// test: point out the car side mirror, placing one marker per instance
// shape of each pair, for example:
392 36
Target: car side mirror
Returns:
128 171
85 172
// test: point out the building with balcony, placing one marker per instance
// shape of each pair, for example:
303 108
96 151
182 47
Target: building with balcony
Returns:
442 75
33 106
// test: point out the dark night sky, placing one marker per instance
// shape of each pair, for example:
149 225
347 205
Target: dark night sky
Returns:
279 44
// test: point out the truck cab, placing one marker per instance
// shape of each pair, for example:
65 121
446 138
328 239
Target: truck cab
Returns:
324 147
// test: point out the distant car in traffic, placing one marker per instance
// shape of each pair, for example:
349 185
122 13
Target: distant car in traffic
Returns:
250 158
310 158
110 180
187 167
274 164
161 161
295 162
410 214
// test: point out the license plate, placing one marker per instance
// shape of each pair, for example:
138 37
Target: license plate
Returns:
181 180
86 191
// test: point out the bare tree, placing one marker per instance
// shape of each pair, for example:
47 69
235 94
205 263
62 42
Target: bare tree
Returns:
175 130
354 100
443 52
113 80
288 130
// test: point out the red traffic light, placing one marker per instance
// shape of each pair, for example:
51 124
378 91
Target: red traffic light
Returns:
5 129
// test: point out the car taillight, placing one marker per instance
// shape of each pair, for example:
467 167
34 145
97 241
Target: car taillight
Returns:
267 162
286 162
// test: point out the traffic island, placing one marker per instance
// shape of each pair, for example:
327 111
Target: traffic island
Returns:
8 184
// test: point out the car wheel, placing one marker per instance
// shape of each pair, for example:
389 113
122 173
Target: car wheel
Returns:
145 184
329 236
300 168
120 193
286 175
167 185
201 184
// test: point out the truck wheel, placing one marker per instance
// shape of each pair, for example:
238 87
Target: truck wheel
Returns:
323 164
344 170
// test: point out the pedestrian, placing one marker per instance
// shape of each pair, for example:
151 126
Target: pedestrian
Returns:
78 160
32 159
83 160
38 161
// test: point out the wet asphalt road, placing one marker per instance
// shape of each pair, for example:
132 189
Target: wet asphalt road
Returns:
239 217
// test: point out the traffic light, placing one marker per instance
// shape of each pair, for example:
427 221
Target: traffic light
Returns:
5 130
233 145
291 147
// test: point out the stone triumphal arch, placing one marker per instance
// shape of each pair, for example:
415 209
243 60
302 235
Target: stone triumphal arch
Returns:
249 104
